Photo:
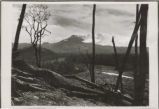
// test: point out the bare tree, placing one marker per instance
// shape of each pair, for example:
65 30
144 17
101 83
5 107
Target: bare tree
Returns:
141 21
115 53
143 60
136 69
116 61
137 25
36 22
93 45
16 41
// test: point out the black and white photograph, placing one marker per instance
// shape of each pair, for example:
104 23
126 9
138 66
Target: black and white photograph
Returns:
79 54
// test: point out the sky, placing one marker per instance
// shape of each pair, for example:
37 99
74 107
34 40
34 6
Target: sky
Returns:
76 19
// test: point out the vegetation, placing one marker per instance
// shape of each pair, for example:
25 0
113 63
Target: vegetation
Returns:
36 18
93 46
41 69
16 42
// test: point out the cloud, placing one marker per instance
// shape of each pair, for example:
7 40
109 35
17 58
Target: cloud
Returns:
106 39
73 10
115 19
109 18
69 19
69 22
116 10
119 13
71 16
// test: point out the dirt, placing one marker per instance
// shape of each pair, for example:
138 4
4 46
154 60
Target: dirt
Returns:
61 97
56 97
51 96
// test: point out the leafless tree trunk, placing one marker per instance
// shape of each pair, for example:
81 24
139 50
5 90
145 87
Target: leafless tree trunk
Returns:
116 60
116 55
36 55
40 52
119 79
16 41
136 67
143 60
36 18
93 45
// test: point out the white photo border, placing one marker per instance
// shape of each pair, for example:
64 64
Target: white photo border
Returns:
6 44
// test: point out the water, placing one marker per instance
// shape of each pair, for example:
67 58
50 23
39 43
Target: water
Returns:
124 76
115 74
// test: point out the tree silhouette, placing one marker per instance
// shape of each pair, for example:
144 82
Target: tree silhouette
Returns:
36 22
137 25
143 58
16 41
115 54
93 45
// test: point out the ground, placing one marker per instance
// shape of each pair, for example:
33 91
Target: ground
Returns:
109 77
54 98
63 97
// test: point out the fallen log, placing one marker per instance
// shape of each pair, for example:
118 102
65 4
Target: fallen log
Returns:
86 81
107 92
28 79
56 80
100 91
35 87
90 83
21 85
16 71
82 94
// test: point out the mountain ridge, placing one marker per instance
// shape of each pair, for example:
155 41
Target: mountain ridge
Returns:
75 44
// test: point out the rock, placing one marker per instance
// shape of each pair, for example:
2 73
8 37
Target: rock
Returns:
35 97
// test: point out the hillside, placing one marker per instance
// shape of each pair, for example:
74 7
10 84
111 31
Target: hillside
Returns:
27 54
75 44
73 48
24 45
39 86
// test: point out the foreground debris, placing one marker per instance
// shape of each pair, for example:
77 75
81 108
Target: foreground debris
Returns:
28 79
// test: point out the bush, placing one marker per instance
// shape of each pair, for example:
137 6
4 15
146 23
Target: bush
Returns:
64 67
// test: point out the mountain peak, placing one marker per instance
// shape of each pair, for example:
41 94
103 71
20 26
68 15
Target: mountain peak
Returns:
74 39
